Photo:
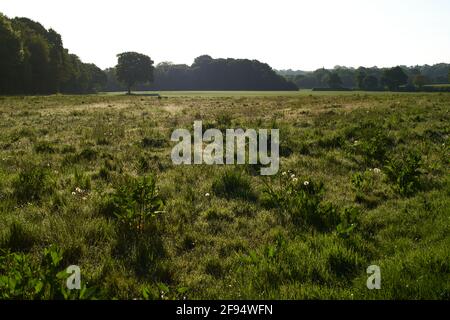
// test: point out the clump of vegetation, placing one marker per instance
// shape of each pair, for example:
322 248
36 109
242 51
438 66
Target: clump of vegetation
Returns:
373 145
44 147
32 184
23 278
153 142
404 172
301 202
233 184
137 204
19 237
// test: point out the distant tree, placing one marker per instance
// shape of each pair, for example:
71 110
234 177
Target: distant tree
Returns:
133 68
359 77
322 76
10 55
202 61
370 83
420 80
334 81
394 78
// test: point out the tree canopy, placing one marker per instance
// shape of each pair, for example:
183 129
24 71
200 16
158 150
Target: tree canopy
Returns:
132 68
34 61
369 78
207 73
393 78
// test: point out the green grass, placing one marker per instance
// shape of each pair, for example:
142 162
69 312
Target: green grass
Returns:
443 85
237 94
88 180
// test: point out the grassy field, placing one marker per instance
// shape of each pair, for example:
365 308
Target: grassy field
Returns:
237 94
88 181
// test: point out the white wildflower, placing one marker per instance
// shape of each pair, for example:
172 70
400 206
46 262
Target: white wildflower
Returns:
377 171
207 194
306 183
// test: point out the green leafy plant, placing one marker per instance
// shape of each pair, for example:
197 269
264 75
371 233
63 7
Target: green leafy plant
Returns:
23 278
137 204
301 202
404 172
348 222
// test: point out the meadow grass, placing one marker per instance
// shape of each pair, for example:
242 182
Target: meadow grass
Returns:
218 94
89 181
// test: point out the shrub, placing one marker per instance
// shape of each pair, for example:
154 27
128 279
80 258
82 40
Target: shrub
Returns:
137 204
404 172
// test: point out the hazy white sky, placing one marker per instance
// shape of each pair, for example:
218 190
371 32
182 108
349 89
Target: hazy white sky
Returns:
295 34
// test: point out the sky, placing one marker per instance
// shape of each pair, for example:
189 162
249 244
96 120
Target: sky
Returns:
286 34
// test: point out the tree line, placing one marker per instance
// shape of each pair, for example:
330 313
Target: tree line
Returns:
207 73
34 61
371 79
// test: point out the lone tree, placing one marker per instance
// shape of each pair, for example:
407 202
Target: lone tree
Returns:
133 67
393 78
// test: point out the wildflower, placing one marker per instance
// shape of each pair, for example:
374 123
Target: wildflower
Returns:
78 190
284 173
377 171
74 193
292 176
306 183
356 142
207 194
294 180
